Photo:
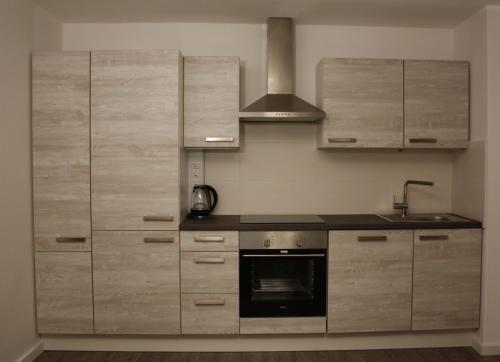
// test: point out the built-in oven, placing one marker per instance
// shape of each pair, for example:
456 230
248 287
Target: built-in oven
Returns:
283 273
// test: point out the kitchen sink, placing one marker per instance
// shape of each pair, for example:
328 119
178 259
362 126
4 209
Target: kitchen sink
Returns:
423 218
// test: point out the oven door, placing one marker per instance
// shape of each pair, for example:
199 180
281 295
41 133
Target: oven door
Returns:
282 283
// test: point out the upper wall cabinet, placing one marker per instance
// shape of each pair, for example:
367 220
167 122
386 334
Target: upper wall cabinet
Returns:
61 155
211 102
436 104
363 102
136 124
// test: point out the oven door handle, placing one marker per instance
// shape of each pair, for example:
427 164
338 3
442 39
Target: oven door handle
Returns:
283 255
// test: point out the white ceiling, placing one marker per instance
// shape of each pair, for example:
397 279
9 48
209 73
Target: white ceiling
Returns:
411 13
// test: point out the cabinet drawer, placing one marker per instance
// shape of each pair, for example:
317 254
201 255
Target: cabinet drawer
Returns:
370 281
209 272
210 314
446 279
209 240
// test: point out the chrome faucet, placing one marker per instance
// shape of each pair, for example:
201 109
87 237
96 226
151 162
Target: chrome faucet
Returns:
403 206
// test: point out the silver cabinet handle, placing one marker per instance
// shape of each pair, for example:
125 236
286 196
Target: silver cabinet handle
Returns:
157 218
282 255
209 239
66 239
169 239
423 140
342 140
433 237
212 301
372 238
209 260
219 139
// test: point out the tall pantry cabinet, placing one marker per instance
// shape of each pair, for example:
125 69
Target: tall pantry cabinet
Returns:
108 157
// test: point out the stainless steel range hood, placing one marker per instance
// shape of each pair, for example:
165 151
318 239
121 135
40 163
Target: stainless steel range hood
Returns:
280 104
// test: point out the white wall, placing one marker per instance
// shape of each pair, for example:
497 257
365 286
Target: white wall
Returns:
278 168
17 310
47 30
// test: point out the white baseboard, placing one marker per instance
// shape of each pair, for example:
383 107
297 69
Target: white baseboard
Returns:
485 349
32 353
257 343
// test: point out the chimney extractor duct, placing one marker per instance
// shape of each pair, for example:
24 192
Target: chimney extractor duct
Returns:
280 104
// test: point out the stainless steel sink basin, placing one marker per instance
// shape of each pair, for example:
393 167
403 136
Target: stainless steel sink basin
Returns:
423 218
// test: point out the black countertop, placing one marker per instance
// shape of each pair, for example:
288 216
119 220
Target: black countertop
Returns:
332 222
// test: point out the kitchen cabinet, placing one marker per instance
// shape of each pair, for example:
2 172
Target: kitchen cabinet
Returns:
211 102
136 282
363 102
370 281
61 153
136 117
64 292
446 279
436 104
210 314
209 282
287 325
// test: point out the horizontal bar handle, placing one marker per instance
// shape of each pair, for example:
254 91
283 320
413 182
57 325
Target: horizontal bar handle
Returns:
372 238
282 255
169 239
423 140
157 218
209 260
66 239
219 139
213 301
209 239
433 237
342 140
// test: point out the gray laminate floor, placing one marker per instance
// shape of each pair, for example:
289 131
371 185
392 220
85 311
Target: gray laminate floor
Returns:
395 355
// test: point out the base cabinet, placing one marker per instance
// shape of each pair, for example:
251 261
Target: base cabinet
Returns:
64 292
136 282
369 281
447 279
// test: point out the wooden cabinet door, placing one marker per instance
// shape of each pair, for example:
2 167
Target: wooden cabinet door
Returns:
211 102
135 139
447 279
64 292
61 154
436 104
136 282
369 281
363 102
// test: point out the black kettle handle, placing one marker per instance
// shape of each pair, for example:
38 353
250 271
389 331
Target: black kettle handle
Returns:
215 197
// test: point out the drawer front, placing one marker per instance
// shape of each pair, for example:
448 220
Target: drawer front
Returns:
209 240
370 281
283 325
209 272
447 279
210 314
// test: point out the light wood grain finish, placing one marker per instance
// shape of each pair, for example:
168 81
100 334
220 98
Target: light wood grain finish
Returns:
211 102
282 325
370 281
447 279
61 151
209 241
210 314
136 284
135 139
436 104
209 272
64 292
363 102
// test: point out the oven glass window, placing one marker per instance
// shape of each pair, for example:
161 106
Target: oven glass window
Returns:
282 280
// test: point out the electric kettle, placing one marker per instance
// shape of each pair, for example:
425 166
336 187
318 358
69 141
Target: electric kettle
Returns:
203 201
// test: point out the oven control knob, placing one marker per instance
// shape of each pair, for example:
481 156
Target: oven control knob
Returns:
300 243
267 243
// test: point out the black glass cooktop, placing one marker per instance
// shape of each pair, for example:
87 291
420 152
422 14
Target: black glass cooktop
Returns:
281 219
